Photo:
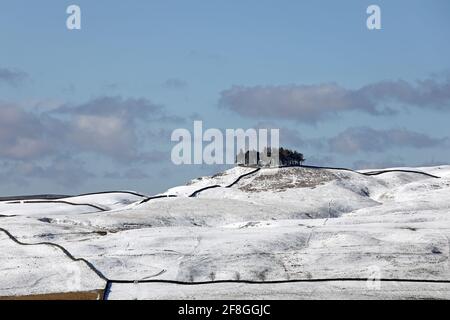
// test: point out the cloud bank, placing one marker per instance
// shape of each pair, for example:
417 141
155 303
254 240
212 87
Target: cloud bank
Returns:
49 144
106 126
314 103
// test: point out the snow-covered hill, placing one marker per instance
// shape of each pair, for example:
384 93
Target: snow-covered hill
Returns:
287 224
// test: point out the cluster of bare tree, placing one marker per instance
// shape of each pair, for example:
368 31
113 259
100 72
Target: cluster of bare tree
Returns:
290 157
286 157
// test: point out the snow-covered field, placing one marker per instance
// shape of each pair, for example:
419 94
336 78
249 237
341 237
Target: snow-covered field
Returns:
319 233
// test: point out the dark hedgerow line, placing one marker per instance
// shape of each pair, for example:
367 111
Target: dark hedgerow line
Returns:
58 197
59 201
64 250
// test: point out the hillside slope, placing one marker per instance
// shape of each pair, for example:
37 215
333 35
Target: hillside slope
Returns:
287 224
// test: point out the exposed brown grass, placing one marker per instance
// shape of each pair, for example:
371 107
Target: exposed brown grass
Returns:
86 295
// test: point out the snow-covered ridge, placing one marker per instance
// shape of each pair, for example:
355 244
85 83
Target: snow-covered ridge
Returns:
271 224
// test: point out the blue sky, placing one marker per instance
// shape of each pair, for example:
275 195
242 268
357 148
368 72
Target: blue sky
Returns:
162 64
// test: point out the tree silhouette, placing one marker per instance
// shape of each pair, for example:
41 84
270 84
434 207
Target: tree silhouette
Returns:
287 157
